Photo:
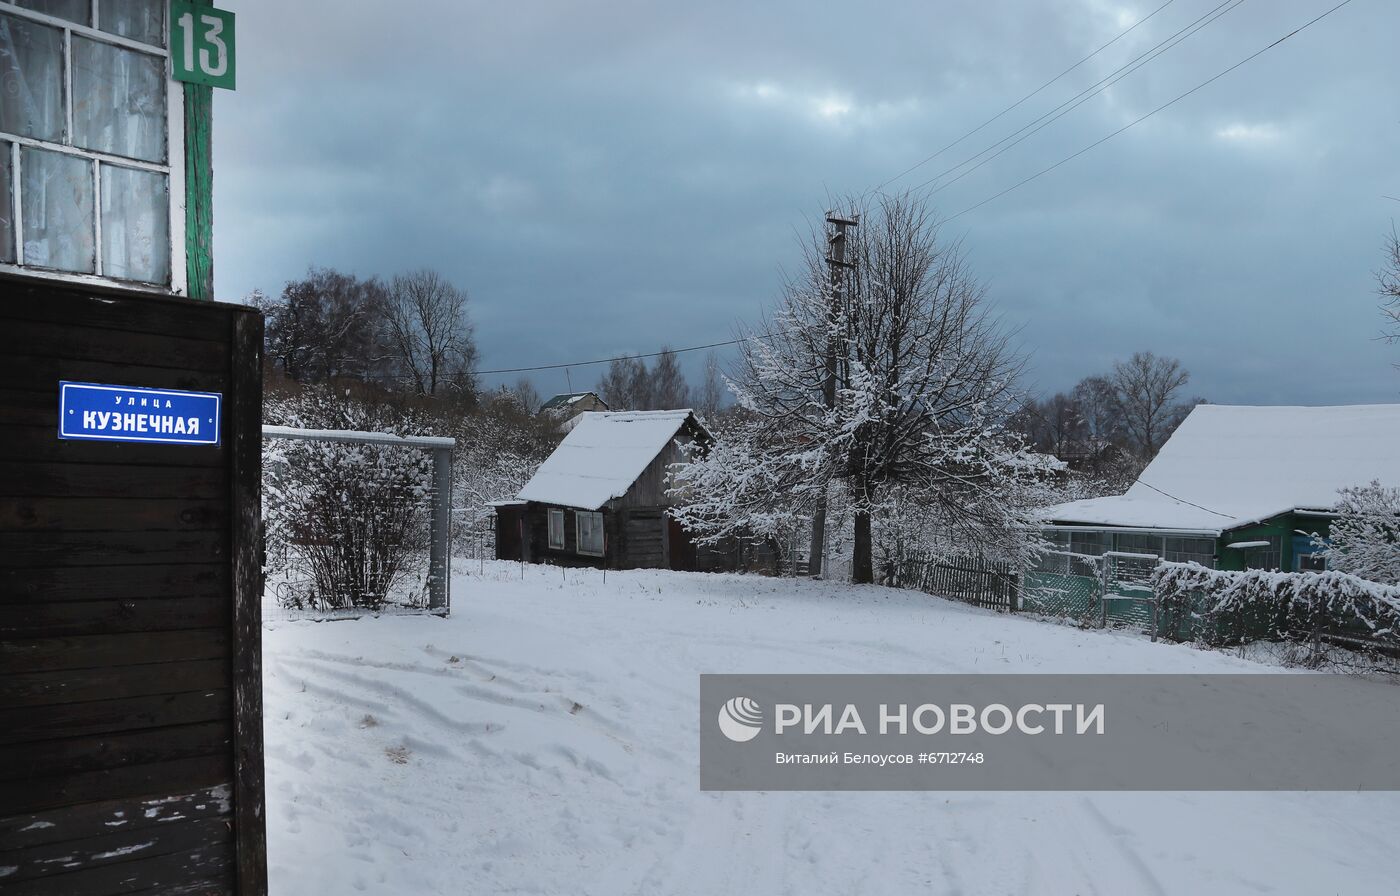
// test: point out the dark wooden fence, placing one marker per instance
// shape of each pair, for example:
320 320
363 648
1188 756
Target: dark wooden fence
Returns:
130 643
994 586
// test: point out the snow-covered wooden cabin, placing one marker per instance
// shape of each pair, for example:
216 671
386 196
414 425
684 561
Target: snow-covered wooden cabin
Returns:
600 499
1237 487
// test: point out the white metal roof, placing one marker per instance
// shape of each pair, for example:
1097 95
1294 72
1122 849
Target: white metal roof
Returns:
602 456
1231 465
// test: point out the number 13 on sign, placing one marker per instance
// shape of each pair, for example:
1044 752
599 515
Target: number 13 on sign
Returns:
201 44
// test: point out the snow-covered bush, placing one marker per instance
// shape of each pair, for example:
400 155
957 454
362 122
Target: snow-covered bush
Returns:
1222 607
345 523
1365 536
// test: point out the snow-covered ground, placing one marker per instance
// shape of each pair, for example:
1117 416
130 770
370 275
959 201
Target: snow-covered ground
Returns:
543 740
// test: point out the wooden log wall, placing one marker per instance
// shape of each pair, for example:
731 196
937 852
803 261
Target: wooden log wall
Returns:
130 682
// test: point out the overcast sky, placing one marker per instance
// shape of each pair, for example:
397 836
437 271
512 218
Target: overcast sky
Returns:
613 177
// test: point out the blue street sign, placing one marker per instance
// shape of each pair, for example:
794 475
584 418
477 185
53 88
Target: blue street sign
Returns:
136 414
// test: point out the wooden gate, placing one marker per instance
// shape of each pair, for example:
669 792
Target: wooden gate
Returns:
130 641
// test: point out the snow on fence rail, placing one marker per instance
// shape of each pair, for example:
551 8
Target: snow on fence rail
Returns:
355 522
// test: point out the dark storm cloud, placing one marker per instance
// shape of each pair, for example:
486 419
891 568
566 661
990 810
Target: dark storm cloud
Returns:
610 177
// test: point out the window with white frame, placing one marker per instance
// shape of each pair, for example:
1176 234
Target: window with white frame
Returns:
590 533
87 137
556 529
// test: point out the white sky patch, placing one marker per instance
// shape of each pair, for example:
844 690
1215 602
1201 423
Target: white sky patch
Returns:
502 193
1246 134
824 106
833 106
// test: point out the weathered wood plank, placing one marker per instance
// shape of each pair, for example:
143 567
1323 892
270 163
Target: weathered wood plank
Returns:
41 373
132 514
52 860
96 617
74 755
108 649
245 496
78 342
127 782
22 408
186 871
41 444
95 819
54 584
79 685
33 723
114 309
113 481
111 548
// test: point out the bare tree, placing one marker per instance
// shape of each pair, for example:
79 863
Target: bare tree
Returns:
1098 409
1388 285
625 385
325 326
1055 426
668 387
710 394
527 395
1146 388
429 334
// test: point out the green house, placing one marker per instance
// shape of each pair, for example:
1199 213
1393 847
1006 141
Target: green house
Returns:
1235 487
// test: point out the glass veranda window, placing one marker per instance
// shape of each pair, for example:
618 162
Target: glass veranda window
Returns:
85 123
556 528
590 533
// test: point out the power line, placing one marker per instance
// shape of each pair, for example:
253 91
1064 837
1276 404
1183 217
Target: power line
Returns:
1159 491
1229 3
1029 406
657 354
1079 99
1009 108
1143 118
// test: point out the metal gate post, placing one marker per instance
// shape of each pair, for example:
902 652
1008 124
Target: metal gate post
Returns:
439 532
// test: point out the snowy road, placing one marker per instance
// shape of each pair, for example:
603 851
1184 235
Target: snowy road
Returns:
543 740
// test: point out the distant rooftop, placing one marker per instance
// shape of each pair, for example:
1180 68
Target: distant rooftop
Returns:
564 399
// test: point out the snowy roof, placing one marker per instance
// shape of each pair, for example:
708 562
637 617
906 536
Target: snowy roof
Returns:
602 456
565 399
1228 466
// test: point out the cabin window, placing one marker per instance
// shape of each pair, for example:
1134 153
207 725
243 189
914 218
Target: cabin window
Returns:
87 131
1135 543
1312 563
1191 550
1265 556
556 529
1090 543
590 533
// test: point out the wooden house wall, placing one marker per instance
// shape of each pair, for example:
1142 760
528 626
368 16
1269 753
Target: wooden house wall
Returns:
509 518
130 689
537 549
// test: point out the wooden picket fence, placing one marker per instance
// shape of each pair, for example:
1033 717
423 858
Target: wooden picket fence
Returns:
993 586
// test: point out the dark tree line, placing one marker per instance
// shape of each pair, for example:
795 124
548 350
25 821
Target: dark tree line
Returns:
630 384
1110 426
411 333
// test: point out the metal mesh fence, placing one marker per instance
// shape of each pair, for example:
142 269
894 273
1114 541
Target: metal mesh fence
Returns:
354 524
1064 584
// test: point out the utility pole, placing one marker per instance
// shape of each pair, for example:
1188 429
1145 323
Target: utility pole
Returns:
836 261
